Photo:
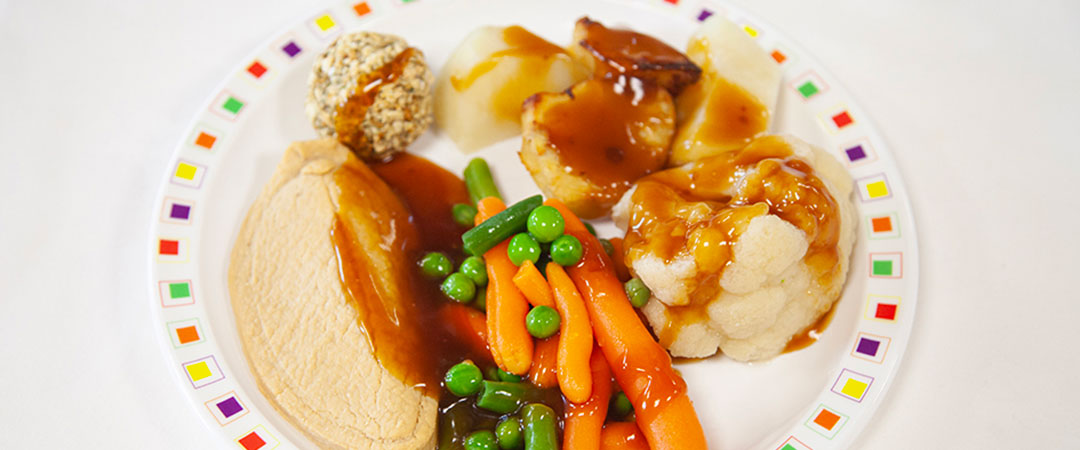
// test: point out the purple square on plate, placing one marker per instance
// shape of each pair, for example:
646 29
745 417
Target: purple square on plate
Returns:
229 407
291 49
704 15
179 211
868 346
855 153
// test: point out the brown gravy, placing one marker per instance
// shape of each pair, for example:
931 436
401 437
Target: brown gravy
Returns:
621 52
600 134
536 56
349 117
405 330
698 212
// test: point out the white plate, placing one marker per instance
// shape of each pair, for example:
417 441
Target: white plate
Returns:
818 398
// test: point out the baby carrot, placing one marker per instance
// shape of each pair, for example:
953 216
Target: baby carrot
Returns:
584 421
511 344
533 285
640 365
622 436
469 326
487 207
545 362
575 336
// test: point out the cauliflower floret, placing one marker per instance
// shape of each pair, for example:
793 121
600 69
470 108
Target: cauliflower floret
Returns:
774 255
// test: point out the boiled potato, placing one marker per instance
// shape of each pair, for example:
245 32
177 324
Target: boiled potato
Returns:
479 93
734 100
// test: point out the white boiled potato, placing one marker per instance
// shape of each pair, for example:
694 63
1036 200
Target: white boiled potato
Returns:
478 94
736 72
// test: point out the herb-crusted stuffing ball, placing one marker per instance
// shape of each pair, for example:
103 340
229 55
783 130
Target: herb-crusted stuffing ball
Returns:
372 92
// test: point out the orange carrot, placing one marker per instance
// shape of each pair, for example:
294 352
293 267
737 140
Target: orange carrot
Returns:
622 436
469 326
487 207
545 363
511 344
617 259
584 421
640 365
532 284
575 336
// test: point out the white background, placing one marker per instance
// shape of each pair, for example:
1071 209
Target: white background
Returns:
980 101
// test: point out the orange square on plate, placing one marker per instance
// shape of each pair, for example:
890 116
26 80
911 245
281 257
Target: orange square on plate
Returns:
187 334
826 419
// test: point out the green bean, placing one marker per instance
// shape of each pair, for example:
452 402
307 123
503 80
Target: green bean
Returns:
499 227
540 427
464 214
507 376
500 396
588 226
479 182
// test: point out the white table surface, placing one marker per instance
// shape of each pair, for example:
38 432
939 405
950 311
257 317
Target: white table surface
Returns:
979 100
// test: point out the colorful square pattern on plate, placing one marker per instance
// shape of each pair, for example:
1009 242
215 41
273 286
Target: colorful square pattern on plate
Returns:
826 421
882 308
257 439
177 211
886 264
188 174
871 347
185 332
203 372
792 443
883 226
809 85
172 250
226 408
852 385
837 119
176 293
874 187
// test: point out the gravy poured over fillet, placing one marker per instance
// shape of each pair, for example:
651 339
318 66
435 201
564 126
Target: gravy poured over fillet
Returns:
336 326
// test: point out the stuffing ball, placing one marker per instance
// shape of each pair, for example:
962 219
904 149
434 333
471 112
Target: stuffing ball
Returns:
372 92
742 250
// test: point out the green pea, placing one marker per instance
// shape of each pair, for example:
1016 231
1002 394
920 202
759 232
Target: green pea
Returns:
637 292
503 375
546 223
464 214
459 287
523 247
480 301
492 373
542 322
508 432
608 248
474 268
566 250
588 226
620 406
464 379
481 440
436 265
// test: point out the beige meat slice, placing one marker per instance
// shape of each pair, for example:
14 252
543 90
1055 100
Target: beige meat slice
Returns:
301 337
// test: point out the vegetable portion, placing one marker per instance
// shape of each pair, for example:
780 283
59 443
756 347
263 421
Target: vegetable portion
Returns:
435 265
575 337
463 379
540 427
511 345
585 421
523 248
637 292
459 287
502 397
545 224
542 322
479 182
566 250
641 366
495 229
533 286
509 433
464 214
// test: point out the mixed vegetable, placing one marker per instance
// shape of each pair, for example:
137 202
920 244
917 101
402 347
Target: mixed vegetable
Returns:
555 310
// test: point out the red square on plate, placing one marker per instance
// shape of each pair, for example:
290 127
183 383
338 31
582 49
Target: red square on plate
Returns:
256 69
252 441
842 120
168 247
885 311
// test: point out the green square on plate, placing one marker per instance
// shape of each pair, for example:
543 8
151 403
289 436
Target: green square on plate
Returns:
179 290
883 267
233 105
807 89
